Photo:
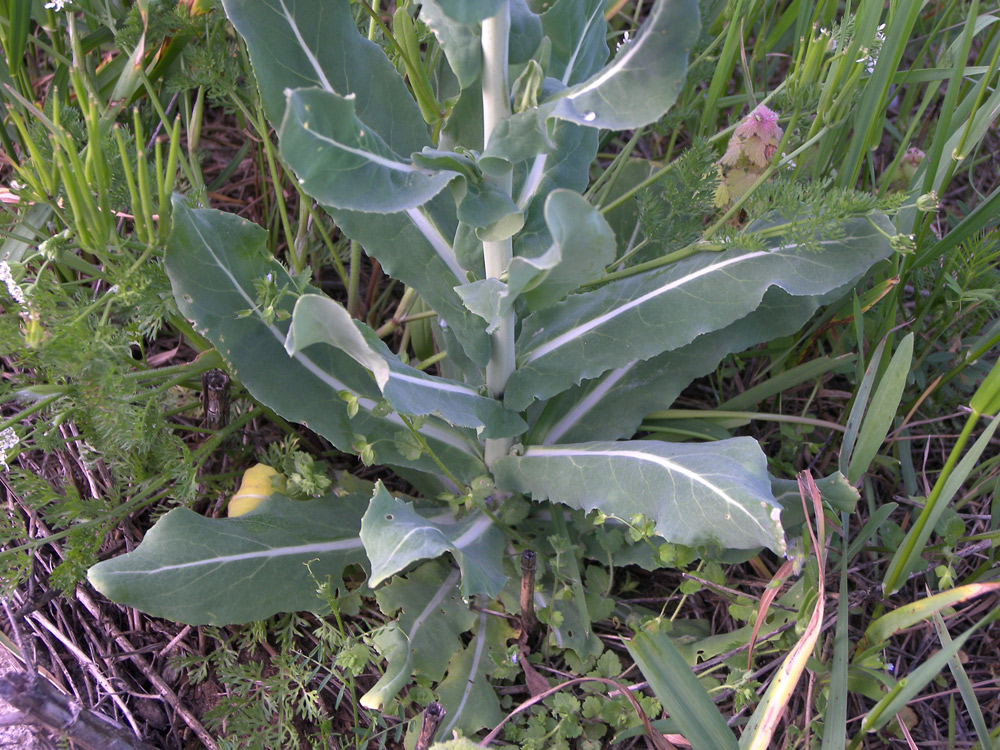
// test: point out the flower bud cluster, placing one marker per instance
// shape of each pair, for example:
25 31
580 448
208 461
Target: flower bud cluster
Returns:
750 150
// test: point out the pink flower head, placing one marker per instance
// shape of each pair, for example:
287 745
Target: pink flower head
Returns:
761 123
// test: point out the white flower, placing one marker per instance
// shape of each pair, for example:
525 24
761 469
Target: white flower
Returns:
871 54
12 287
8 440
57 5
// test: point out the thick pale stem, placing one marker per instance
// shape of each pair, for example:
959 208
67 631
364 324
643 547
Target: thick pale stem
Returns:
497 255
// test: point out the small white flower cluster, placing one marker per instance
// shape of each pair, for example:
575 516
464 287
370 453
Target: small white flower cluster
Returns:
13 289
8 440
871 54
57 5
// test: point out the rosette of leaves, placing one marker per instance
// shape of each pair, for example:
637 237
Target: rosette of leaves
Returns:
467 185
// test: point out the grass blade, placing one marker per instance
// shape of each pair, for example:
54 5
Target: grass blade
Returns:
964 687
835 721
676 687
881 412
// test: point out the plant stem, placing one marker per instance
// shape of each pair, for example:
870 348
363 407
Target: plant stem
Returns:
497 255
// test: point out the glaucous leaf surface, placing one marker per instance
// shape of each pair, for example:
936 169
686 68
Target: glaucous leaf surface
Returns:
416 247
644 315
460 42
612 405
696 494
465 12
221 571
577 31
213 260
470 702
297 44
315 43
642 81
343 164
317 319
583 244
430 618
395 536
586 245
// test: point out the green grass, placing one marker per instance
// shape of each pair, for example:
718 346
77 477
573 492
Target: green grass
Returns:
102 386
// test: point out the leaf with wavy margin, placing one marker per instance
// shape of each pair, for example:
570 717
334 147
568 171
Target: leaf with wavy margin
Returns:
655 64
297 44
641 316
213 260
430 618
343 164
696 494
222 571
395 536
317 319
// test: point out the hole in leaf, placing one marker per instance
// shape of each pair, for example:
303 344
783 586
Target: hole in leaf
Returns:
388 516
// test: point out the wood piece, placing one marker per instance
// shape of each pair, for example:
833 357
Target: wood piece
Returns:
529 622
42 705
433 715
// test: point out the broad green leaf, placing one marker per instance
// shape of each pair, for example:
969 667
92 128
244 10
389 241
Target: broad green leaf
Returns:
415 247
213 260
221 571
577 30
682 696
465 12
525 32
586 245
642 82
343 164
297 44
466 694
395 536
613 405
490 299
460 42
317 319
641 316
314 43
490 211
882 410
565 165
697 495
583 244
430 618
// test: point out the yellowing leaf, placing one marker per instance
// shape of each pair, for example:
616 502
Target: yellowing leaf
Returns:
259 481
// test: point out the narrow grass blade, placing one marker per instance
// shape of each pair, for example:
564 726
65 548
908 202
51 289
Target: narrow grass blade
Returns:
881 412
676 687
854 419
910 614
835 719
964 687
785 381
908 688
913 544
